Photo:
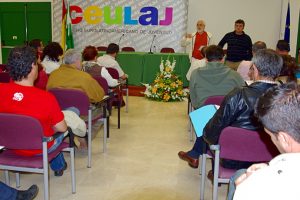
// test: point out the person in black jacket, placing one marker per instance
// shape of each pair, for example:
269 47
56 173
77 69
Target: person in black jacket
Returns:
237 107
239 45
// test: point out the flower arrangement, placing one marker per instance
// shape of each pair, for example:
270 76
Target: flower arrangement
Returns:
167 86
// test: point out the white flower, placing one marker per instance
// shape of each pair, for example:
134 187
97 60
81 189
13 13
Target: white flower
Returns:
161 67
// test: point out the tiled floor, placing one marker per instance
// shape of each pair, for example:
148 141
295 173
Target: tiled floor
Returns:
141 161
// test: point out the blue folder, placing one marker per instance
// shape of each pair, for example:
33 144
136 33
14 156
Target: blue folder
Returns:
201 116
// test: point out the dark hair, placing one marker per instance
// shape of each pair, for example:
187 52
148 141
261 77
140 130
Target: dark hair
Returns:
268 63
283 45
89 53
240 21
258 46
112 48
289 67
19 62
279 109
53 50
214 53
35 43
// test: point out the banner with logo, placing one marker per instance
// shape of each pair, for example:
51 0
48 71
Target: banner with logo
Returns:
134 23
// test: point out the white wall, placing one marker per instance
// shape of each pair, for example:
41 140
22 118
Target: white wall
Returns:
263 18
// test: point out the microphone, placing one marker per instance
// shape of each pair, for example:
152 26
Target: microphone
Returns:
121 39
150 52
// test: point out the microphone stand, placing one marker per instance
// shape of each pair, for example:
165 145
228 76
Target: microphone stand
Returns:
150 52
120 39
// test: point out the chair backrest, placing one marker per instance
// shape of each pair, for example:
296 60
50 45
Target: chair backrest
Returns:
128 49
71 97
113 72
216 100
4 77
102 48
102 82
3 67
20 132
167 50
246 145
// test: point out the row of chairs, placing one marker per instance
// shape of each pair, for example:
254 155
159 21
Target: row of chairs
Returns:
131 49
11 125
234 144
31 139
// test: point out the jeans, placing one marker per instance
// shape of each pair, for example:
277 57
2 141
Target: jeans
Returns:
197 148
231 189
6 192
58 163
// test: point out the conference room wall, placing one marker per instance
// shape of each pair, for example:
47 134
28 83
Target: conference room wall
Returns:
264 20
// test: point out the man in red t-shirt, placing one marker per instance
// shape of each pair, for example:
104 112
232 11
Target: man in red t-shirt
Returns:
21 97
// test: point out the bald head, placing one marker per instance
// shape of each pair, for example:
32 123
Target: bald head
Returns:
258 46
200 25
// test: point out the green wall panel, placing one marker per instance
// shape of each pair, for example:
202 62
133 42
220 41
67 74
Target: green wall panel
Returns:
13 18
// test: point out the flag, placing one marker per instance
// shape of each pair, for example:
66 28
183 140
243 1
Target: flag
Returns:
67 41
287 25
63 25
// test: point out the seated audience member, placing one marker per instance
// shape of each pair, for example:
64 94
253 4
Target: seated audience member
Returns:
38 45
288 71
21 97
69 75
282 47
279 111
42 78
196 64
237 108
50 58
9 193
109 59
243 68
90 65
213 79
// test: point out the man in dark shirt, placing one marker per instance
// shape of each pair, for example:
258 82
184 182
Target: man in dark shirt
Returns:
239 45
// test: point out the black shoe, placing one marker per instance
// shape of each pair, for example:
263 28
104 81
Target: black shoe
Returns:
28 194
61 172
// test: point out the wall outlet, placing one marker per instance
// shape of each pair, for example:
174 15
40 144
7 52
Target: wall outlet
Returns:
14 37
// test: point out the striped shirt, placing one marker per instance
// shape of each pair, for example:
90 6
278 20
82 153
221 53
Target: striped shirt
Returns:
239 47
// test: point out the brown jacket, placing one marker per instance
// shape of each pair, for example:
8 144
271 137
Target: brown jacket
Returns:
67 76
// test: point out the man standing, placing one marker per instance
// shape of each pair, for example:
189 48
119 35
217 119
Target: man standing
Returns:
196 41
239 45
213 79
279 111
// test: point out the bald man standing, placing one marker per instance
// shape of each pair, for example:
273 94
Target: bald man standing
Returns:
196 41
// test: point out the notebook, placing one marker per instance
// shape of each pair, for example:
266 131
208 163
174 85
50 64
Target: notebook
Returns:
201 116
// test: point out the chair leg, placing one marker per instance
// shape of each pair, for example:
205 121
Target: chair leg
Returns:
192 134
18 180
203 174
73 178
105 135
127 94
46 171
89 165
7 180
119 114
216 175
